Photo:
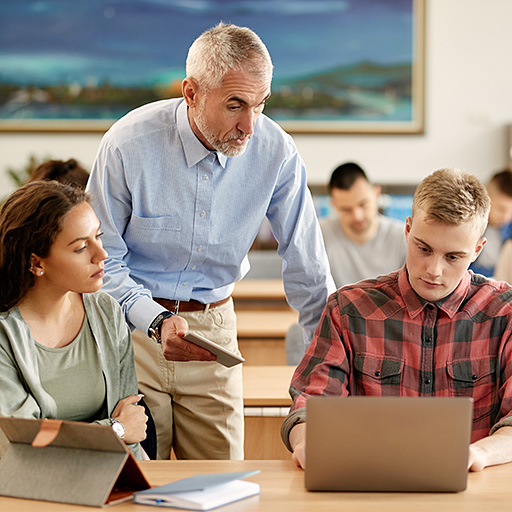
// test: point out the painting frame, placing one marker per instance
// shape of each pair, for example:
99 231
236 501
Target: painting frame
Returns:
414 125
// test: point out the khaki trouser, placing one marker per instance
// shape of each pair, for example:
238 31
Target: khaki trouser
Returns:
197 406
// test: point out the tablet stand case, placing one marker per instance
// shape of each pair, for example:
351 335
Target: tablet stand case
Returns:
67 462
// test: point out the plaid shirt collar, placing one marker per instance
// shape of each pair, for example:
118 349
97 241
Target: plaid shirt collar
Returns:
415 304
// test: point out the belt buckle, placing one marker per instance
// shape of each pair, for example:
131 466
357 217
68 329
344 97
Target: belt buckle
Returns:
176 306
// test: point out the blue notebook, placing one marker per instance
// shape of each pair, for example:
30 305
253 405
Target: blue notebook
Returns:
200 492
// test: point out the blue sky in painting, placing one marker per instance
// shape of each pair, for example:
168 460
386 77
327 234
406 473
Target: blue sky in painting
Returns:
131 42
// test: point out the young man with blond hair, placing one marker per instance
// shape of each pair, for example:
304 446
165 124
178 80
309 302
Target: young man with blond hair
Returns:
432 328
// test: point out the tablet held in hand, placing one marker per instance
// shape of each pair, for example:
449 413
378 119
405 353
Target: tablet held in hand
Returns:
224 356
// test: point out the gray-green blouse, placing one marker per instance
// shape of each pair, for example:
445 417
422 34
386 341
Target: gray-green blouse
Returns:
21 392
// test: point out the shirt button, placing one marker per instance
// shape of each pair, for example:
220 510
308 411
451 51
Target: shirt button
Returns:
193 267
377 374
200 248
427 381
474 376
203 214
205 177
185 284
428 340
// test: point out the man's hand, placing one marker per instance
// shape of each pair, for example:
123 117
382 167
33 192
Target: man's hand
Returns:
175 348
476 461
491 450
298 444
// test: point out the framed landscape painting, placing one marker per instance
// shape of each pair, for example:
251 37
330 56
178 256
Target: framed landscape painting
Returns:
340 66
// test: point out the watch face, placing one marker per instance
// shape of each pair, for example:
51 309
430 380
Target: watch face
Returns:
154 335
118 428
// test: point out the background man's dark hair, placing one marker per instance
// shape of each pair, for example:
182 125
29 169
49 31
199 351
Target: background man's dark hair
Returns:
503 182
345 175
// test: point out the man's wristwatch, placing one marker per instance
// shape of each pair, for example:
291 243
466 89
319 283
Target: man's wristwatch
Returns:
156 324
118 428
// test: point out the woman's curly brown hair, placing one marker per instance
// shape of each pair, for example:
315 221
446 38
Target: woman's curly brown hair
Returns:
30 220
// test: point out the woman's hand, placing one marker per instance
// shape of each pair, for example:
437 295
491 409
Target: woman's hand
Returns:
133 417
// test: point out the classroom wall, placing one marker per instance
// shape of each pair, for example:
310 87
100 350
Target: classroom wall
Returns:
468 107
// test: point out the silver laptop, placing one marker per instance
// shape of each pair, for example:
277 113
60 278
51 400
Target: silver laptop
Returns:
388 443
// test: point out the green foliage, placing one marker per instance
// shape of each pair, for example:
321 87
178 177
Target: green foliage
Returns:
20 176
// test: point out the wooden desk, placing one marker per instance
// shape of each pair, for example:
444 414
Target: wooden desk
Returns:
261 335
264 318
265 324
266 403
282 490
248 292
267 386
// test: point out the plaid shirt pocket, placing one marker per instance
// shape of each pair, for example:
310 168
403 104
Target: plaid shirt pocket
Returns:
475 378
377 375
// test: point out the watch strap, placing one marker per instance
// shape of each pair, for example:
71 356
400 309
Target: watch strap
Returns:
118 428
156 324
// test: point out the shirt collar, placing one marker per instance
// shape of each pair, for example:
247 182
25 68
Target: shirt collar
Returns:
415 304
192 146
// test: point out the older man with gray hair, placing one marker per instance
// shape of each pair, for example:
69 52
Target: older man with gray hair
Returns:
181 187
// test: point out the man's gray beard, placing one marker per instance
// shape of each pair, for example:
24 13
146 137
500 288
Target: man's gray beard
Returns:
223 147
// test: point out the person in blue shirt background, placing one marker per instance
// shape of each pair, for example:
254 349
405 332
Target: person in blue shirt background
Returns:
181 187
499 229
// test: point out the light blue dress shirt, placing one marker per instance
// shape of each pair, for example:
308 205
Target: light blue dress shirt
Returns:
179 220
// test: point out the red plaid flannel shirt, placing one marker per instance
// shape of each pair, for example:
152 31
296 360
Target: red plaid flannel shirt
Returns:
379 338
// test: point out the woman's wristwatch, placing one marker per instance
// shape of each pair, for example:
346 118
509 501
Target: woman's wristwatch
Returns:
118 428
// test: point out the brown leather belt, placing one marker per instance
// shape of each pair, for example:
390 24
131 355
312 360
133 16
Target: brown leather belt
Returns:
176 306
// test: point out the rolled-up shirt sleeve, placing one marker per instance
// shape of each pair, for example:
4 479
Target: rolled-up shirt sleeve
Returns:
324 369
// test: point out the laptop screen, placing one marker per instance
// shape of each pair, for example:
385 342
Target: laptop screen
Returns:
388 443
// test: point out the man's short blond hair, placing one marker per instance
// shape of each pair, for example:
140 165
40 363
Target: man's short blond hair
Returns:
452 197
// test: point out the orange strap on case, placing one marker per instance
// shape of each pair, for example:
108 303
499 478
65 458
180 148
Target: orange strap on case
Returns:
47 433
